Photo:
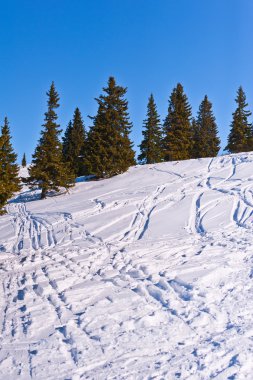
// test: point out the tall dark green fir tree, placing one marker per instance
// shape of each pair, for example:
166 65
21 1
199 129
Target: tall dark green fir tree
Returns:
48 170
23 163
9 178
74 144
151 146
109 148
206 142
66 141
177 142
195 139
240 136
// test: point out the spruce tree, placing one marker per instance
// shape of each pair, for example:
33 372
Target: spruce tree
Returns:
74 144
195 139
23 161
240 136
206 142
9 179
66 142
177 140
109 149
48 170
151 145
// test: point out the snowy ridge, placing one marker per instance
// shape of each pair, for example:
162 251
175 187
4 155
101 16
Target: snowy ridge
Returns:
145 275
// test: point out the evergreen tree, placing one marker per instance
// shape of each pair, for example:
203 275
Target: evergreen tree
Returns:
23 161
48 170
74 144
9 179
66 142
177 140
205 133
151 145
195 139
109 149
240 136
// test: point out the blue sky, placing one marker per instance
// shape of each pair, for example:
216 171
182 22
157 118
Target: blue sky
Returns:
148 45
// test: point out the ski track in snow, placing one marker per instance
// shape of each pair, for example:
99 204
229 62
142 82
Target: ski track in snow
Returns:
147 275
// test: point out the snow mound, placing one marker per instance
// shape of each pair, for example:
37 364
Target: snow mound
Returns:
147 275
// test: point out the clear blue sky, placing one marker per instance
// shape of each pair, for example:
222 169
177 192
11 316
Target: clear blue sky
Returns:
148 45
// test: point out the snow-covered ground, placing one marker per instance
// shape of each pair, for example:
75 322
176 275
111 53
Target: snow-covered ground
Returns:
147 275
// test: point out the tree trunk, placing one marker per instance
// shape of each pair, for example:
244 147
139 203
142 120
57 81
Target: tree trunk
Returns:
43 193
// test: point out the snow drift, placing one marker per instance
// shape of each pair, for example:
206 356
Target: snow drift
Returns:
147 275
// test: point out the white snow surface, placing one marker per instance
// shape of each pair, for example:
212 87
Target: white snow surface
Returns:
147 275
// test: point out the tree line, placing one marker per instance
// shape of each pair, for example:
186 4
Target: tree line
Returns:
106 149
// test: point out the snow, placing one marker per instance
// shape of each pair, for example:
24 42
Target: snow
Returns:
147 275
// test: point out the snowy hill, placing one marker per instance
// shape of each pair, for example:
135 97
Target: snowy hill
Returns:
147 275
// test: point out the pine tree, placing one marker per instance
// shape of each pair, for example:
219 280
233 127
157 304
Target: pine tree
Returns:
109 149
48 170
195 138
240 136
205 133
151 145
23 161
66 142
9 179
177 140
74 144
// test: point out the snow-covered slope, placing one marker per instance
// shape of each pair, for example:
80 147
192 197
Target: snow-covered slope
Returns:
147 275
